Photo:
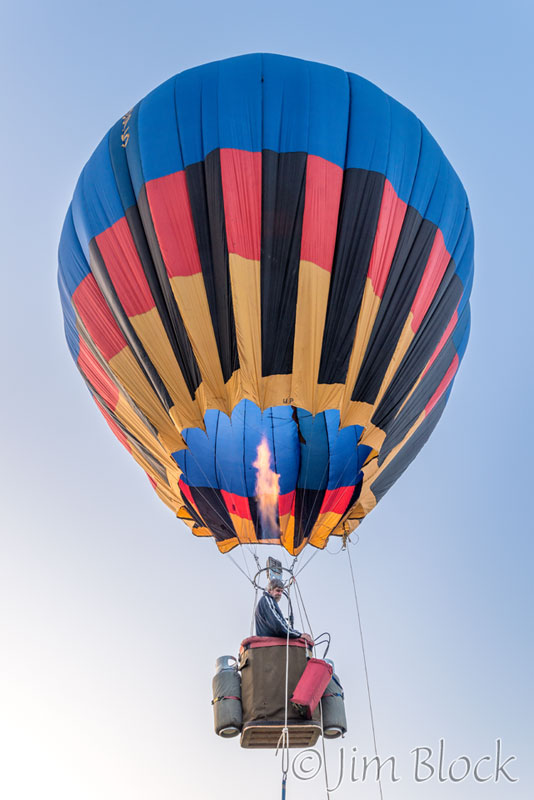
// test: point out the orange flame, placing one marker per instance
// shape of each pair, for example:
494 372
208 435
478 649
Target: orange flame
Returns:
267 487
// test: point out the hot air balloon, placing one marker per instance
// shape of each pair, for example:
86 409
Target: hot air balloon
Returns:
265 272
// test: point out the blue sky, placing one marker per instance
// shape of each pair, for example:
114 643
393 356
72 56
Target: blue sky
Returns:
111 613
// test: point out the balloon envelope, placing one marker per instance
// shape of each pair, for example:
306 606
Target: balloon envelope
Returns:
268 253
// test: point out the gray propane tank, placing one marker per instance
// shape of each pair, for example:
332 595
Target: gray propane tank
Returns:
227 711
333 705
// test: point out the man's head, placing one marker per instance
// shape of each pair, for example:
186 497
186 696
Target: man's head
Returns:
275 587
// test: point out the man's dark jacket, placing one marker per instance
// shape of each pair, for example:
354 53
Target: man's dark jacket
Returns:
270 621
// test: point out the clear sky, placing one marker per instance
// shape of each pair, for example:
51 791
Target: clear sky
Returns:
111 613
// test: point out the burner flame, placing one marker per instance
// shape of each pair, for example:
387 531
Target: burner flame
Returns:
267 488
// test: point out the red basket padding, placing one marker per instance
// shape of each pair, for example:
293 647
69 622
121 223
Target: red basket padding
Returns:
270 641
311 686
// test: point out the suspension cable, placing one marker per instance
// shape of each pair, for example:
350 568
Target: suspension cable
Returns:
301 567
243 553
254 610
232 559
371 713
258 565
299 593
301 618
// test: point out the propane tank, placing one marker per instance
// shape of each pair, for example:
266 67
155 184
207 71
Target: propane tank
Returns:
227 711
333 705
311 686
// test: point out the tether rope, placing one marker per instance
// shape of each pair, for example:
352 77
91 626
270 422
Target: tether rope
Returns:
283 741
371 712
324 752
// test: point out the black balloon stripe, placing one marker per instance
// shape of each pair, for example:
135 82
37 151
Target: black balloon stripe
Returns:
204 184
132 440
361 198
141 226
307 506
418 401
85 337
282 209
411 255
421 348
103 280
166 303
406 455
214 512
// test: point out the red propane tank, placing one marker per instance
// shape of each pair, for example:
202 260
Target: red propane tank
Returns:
311 686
